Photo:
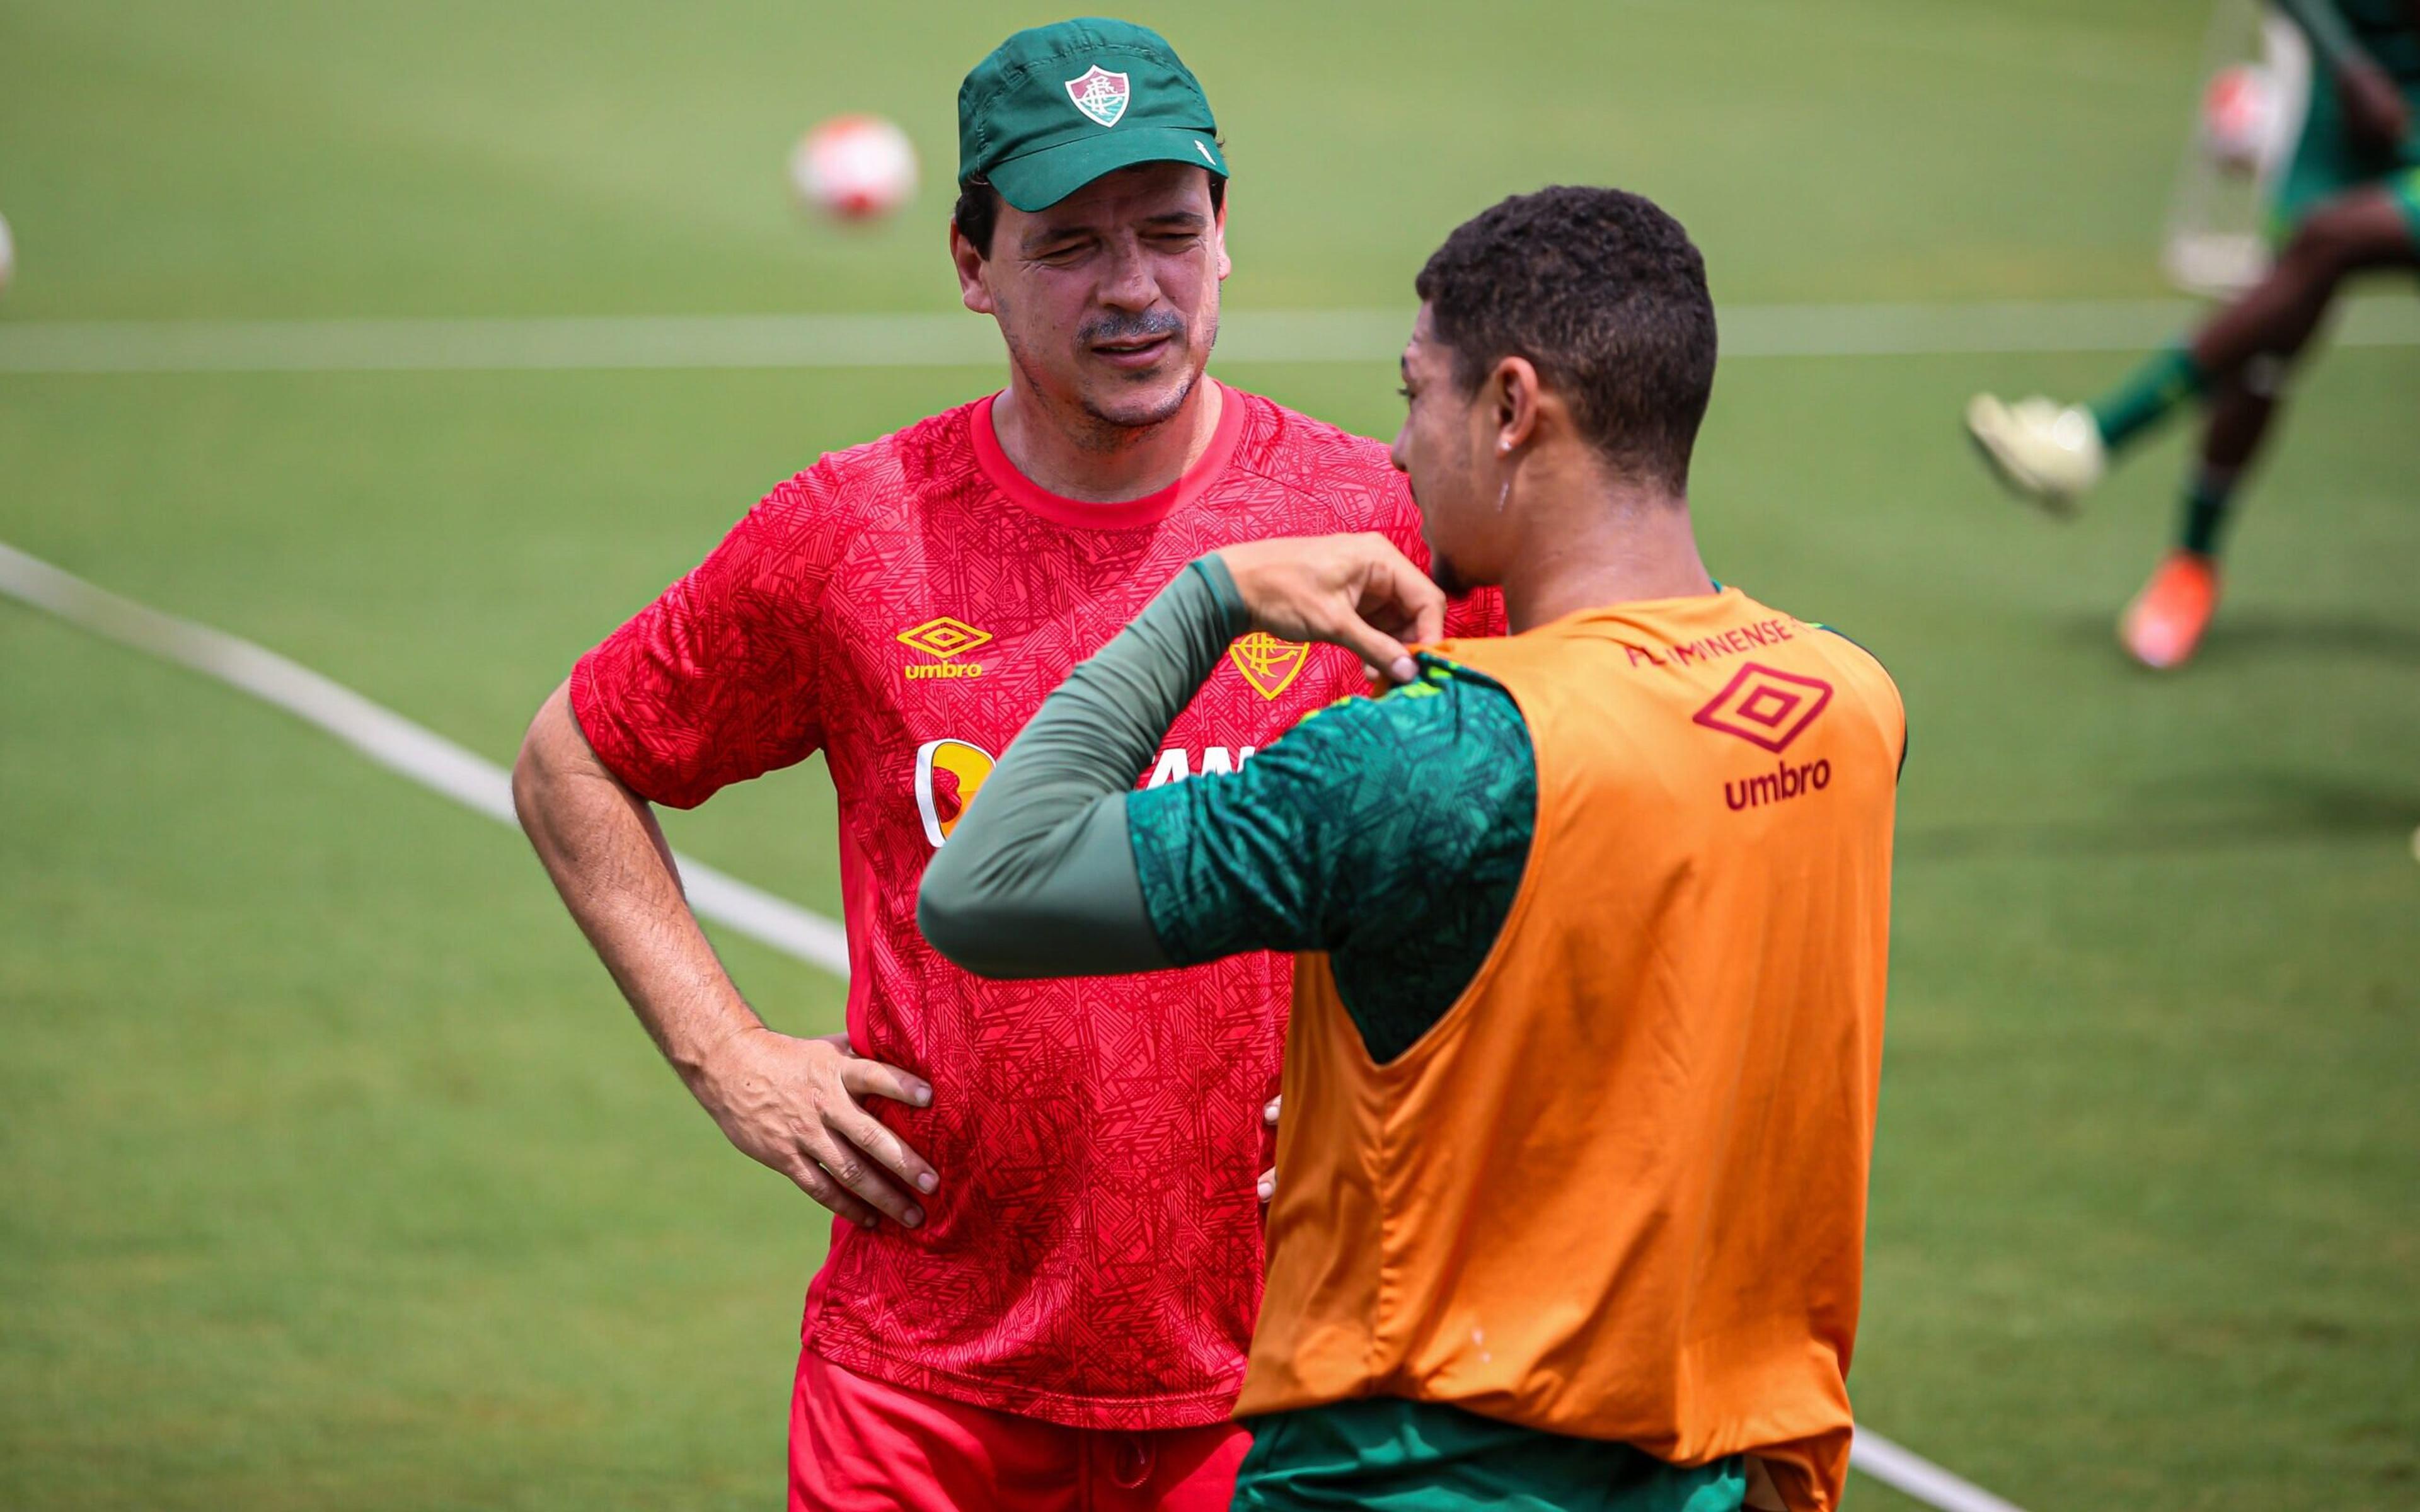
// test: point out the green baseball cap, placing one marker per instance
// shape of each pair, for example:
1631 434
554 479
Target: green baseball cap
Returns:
1055 107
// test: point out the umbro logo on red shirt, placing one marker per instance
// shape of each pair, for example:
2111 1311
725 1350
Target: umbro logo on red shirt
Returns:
943 639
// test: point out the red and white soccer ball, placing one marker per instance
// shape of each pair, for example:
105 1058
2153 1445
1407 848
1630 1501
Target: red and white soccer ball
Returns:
855 167
2238 116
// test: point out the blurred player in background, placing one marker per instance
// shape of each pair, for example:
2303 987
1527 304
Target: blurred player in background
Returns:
1586 1042
2348 200
1046 1284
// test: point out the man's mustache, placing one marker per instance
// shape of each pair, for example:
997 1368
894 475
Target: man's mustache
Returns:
1131 327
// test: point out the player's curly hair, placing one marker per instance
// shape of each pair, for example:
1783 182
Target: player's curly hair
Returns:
1605 295
977 213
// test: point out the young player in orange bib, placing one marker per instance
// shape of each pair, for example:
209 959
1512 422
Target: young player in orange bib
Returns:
1592 920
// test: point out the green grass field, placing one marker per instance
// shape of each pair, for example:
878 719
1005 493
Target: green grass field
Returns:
334 1174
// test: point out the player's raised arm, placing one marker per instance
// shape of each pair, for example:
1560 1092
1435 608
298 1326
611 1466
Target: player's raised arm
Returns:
1353 591
2374 111
1039 878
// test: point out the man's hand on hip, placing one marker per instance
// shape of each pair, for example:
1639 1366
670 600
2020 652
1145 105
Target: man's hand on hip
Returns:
797 1106
791 1103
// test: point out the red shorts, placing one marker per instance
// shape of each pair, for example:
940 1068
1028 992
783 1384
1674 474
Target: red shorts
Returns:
857 1444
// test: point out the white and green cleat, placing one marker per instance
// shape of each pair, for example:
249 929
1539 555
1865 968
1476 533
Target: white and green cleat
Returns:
2045 452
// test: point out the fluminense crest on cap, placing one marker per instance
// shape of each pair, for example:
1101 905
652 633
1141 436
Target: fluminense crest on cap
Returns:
1100 94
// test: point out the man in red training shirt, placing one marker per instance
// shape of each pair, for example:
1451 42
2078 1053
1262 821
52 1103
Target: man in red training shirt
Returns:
1046 1284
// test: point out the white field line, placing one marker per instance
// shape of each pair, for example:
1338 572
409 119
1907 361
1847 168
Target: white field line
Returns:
387 738
436 764
1919 1477
604 343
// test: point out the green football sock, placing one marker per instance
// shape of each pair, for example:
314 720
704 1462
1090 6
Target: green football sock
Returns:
2208 501
2147 395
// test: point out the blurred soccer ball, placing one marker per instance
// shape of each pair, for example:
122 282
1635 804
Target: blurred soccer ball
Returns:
856 167
2239 117
8 255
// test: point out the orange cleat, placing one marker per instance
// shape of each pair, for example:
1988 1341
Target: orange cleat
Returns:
2165 623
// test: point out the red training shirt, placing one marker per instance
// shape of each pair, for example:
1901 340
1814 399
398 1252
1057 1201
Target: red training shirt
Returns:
1092 1256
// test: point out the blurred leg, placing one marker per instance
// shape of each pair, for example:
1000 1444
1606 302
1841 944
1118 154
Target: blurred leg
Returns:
2164 624
2367 227
2239 421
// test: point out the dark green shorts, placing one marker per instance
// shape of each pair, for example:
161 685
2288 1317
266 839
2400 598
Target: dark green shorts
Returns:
1421 1457
2286 214
2325 165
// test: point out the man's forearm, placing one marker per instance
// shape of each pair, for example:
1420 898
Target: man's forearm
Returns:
1038 879
600 844
796 1105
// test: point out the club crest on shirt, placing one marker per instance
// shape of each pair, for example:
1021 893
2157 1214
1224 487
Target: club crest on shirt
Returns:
944 639
1270 664
1100 95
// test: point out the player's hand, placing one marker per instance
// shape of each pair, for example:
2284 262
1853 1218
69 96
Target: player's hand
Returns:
796 1105
2375 112
1269 1177
1353 591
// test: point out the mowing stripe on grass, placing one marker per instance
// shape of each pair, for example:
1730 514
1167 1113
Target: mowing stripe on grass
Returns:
436 764
607 342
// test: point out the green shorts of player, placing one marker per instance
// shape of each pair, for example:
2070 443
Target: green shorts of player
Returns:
2324 164
1393 1456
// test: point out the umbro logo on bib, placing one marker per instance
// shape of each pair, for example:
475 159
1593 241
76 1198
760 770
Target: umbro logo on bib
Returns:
1764 706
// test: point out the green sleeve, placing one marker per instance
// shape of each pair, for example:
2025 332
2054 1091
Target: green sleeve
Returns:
1389 832
1038 879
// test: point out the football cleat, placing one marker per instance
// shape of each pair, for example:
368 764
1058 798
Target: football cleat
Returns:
2045 451
2165 623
